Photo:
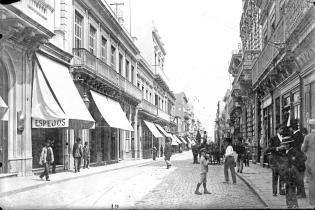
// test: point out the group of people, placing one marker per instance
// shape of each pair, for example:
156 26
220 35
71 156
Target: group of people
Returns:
292 153
210 148
47 157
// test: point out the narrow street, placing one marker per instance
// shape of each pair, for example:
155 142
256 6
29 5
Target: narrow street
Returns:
145 186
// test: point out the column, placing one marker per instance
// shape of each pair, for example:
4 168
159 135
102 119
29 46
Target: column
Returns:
135 126
255 140
140 140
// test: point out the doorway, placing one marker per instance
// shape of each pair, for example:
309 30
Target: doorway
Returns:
3 123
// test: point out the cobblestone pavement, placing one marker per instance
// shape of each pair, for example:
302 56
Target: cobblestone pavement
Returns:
148 186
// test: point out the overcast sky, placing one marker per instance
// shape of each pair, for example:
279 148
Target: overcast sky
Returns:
199 36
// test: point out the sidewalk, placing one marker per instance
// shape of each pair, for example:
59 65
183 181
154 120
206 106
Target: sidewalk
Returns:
12 185
259 180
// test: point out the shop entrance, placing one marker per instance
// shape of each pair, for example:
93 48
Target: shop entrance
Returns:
39 137
3 123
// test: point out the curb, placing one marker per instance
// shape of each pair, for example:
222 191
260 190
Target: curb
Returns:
253 190
8 193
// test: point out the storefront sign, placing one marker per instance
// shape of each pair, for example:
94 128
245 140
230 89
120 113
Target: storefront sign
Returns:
58 123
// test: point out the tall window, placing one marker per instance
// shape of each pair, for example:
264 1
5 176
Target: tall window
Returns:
120 63
127 70
92 39
78 35
296 105
104 49
113 57
132 74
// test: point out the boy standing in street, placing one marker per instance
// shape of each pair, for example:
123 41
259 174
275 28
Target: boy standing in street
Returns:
46 158
204 162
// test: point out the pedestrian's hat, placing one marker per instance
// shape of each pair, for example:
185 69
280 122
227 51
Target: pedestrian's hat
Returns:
287 139
203 150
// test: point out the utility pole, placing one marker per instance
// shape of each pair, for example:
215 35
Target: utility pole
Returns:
116 4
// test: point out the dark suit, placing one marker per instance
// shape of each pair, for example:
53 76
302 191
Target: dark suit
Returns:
275 163
298 141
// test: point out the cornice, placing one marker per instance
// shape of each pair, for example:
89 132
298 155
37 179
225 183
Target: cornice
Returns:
158 40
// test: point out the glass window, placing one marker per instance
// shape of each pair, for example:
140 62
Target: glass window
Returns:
92 43
120 63
78 35
127 70
113 57
132 74
104 49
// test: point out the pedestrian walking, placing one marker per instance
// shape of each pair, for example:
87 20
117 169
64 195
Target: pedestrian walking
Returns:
229 161
168 152
154 150
77 153
293 157
240 150
204 162
86 155
198 138
308 147
195 152
298 138
276 153
46 158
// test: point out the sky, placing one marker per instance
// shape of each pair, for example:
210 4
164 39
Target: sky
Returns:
199 37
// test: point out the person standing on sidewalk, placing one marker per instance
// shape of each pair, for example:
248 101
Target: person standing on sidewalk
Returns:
86 155
298 140
195 152
77 153
240 150
276 153
46 158
308 147
291 173
229 161
204 162
168 152
198 138
154 150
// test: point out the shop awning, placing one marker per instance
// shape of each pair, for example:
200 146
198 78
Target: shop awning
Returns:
163 131
189 140
174 141
177 139
153 129
183 140
58 98
111 112
3 110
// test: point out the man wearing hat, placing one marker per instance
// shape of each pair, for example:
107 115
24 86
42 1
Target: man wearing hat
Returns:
291 170
308 147
298 138
276 154
204 162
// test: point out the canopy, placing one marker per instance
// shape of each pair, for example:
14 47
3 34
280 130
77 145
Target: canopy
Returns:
3 110
111 112
174 141
163 131
177 139
153 129
189 140
183 140
58 97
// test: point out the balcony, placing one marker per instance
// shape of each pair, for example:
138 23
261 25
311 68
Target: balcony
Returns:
269 53
163 115
97 67
233 105
148 107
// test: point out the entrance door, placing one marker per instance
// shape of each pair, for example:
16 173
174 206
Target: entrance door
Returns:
3 124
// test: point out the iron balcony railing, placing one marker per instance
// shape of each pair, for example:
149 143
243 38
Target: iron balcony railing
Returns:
94 65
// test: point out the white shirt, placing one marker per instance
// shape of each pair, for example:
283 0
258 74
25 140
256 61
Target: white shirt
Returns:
229 151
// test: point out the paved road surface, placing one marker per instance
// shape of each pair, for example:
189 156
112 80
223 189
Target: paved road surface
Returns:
149 186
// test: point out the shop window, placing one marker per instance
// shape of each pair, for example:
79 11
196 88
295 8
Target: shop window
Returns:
296 105
128 145
285 108
278 108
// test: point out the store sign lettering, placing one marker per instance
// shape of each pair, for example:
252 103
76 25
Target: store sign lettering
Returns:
60 123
